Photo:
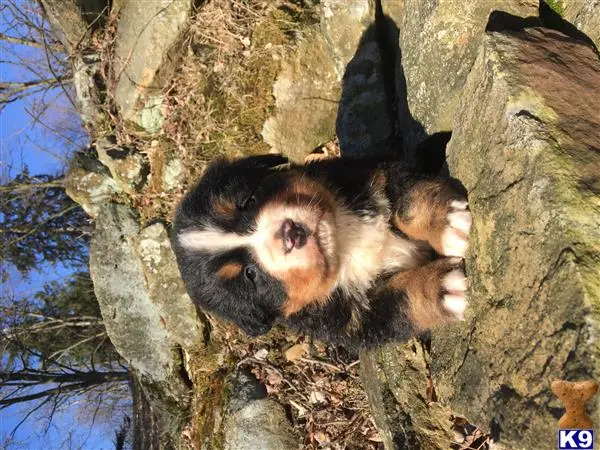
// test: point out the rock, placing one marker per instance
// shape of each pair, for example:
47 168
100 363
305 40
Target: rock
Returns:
75 19
308 88
525 145
343 24
151 116
85 69
128 168
166 289
133 321
246 388
395 381
303 97
166 168
585 15
146 48
142 327
89 183
254 421
439 42
172 173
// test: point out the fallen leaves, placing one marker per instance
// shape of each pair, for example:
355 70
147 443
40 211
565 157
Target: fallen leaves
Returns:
319 384
296 352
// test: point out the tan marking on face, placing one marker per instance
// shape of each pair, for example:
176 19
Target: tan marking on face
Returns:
423 289
224 207
425 217
305 287
229 271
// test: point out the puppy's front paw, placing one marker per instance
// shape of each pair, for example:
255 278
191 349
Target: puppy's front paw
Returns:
454 288
455 237
436 293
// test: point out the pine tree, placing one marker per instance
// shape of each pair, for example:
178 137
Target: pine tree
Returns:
39 224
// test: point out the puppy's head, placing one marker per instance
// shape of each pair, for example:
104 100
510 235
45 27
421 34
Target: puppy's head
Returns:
256 239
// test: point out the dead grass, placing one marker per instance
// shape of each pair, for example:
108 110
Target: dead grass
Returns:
218 99
319 387
222 95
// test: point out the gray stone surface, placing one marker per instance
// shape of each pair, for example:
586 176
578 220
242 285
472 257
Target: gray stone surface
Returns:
89 183
585 15
128 168
72 18
166 289
172 172
73 21
85 68
307 90
136 325
132 320
395 380
439 42
255 422
146 49
525 145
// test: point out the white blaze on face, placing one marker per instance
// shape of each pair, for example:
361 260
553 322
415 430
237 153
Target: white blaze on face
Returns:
266 242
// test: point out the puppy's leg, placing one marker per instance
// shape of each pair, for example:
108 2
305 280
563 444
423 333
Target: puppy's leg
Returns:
411 302
401 306
432 210
434 293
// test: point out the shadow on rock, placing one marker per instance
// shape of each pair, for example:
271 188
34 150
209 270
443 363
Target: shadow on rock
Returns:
374 118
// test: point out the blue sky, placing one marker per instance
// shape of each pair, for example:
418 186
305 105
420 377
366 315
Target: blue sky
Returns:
43 151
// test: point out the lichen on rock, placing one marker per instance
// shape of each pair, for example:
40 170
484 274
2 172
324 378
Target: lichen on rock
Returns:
524 144
144 56
307 89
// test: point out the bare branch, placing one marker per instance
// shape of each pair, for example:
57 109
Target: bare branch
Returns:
36 119
14 430
11 91
18 187
62 353
21 41
41 224
47 53
5 403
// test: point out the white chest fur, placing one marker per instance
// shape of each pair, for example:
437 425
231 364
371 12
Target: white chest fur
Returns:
367 248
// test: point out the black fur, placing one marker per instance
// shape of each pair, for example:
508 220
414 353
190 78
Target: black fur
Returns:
254 300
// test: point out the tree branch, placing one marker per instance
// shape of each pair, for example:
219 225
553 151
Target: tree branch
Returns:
5 403
58 377
17 187
11 91
21 41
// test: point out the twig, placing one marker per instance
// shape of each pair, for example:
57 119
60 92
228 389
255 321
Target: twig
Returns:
321 363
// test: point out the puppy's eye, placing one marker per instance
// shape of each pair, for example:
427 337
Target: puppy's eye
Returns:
250 273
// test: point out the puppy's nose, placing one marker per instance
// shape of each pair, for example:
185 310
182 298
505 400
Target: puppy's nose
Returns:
293 234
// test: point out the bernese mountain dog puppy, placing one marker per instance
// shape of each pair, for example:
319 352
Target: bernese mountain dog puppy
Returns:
351 252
